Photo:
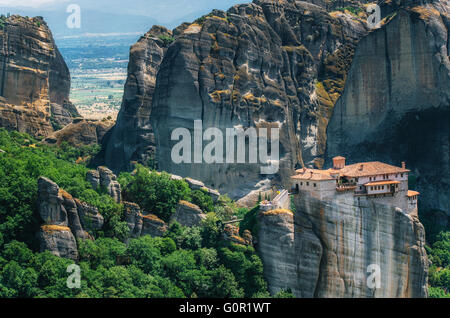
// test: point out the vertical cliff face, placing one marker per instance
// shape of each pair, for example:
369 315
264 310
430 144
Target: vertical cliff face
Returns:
132 138
395 104
34 79
326 248
264 64
286 65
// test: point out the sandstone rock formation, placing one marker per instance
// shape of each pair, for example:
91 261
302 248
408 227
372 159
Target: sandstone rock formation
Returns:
231 233
254 66
133 134
286 64
34 79
81 132
326 247
189 214
133 218
90 218
143 224
59 240
104 178
153 226
395 105
65 219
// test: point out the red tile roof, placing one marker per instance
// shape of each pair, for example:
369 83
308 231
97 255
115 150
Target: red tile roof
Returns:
313 175
374 168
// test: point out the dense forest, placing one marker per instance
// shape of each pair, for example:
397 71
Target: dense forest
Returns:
185 262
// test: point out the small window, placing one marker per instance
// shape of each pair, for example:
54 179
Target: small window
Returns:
307 183
402 175
315 185
301 183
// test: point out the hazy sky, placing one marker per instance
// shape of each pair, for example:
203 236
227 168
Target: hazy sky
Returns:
161 10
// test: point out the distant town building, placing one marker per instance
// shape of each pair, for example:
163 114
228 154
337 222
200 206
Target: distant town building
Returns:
366 179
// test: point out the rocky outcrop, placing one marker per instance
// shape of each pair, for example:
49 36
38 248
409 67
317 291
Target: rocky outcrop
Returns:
231 233
34 79
198 185
290 251
132 138
59 240
188 214
90 218
50 203
264 65
108 180
81 132
55 235
286 64
104 178
133 217
143 224
327 248
63 114
65 219
396 103
153 226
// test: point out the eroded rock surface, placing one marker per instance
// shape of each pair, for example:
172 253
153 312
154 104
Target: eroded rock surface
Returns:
256 65
141 224
34 79
396 103
59 240
104 178
132 138
292 65
326 247
81 132
65 219
189 214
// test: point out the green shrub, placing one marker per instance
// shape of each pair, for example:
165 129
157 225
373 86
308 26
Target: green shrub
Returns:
203 200
155 192
166 39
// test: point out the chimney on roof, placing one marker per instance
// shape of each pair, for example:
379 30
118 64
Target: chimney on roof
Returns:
338 162
361 167
304 169
403 165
